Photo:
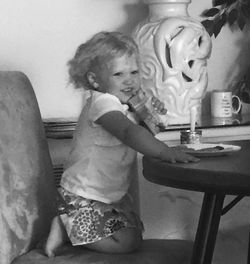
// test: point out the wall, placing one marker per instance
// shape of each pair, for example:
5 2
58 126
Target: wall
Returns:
39 37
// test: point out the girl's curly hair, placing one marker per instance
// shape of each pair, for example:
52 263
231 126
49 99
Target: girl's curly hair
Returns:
103 45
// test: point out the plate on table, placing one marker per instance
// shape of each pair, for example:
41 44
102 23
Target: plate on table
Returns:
208 149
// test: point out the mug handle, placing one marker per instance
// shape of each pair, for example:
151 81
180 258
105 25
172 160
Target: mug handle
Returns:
236 104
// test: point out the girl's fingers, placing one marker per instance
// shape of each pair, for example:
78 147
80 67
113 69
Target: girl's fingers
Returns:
154 101
192 159
158 106
185 158
164 111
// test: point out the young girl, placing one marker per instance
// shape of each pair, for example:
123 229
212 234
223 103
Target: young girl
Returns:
95 210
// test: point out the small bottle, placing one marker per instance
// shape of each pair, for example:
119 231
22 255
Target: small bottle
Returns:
140 104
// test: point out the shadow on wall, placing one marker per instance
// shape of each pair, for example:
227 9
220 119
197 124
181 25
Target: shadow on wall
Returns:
135 14
241 65
237 67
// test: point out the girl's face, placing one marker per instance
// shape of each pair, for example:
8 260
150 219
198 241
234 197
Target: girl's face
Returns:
119 76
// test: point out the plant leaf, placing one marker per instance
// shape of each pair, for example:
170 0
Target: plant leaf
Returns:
245 9
232 16
211 12
224 18
241 22
209 26
218 2
218 26
230 2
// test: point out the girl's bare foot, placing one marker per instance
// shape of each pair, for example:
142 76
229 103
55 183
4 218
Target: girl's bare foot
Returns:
57 237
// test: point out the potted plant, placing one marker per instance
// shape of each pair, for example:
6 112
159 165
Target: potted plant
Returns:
235 13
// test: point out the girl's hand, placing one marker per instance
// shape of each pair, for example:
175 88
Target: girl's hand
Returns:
172 155
158 106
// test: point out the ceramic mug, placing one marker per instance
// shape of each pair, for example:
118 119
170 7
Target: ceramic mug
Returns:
224 104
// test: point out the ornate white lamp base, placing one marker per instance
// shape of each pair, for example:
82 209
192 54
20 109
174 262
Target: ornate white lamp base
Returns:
174 49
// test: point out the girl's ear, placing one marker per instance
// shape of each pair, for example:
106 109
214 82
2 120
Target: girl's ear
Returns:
91 76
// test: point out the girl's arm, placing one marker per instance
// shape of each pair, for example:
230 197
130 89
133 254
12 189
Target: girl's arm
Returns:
140 139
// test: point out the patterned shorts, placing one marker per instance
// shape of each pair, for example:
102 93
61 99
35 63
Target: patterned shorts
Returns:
87 221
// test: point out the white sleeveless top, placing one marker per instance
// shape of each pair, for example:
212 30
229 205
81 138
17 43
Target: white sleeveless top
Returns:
99 164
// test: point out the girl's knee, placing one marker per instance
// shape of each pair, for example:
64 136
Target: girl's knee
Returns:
128 239
123 241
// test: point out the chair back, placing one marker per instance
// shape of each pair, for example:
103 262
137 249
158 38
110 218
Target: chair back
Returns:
27 190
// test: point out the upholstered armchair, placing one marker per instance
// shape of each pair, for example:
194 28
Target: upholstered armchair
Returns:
28 193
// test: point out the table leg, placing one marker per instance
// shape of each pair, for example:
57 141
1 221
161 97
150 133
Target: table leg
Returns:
207 228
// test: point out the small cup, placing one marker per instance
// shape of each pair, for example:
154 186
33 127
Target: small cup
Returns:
190 137
224 104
